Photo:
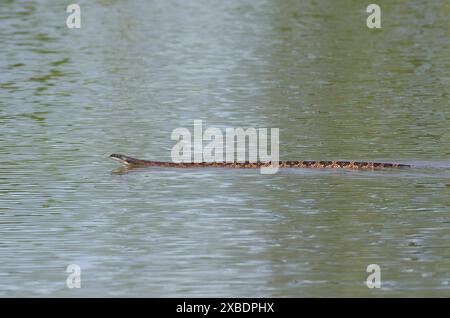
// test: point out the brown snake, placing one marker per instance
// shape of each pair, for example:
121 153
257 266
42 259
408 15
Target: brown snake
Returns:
133 162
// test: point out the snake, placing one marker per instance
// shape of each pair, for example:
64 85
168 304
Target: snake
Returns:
367 165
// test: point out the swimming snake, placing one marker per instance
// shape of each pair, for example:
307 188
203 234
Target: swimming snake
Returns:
133 162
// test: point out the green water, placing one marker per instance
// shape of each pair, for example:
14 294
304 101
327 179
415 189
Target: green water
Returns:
136 70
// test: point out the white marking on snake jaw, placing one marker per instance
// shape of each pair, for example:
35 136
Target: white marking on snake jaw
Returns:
120 160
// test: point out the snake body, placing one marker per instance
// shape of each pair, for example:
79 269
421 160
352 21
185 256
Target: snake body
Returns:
133 162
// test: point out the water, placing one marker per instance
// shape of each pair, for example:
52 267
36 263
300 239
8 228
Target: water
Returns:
136 70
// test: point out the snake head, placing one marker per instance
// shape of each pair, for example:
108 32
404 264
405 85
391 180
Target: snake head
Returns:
121 158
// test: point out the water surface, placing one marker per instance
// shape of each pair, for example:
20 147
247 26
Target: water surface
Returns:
136 70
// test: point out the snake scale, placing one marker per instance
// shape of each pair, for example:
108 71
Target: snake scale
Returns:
133 162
